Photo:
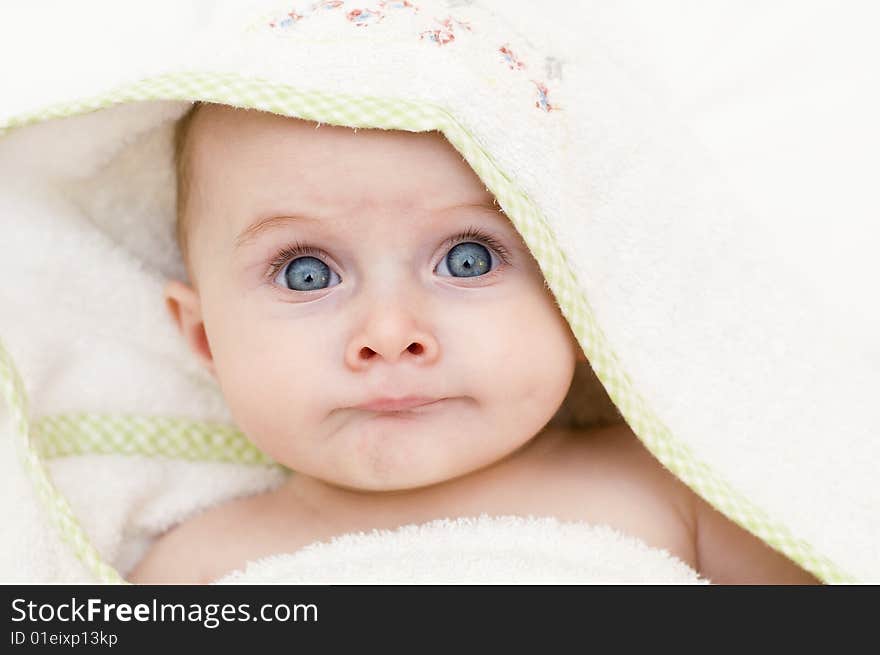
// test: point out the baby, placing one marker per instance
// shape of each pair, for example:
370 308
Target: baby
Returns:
378 326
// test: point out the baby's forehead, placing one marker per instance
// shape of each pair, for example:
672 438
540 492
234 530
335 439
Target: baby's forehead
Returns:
225 125
261 160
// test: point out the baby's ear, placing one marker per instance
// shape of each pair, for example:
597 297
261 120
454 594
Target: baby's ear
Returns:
186 311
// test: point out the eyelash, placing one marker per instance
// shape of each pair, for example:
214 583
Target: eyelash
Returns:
297 249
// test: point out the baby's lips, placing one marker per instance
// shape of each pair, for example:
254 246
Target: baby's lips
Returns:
389 404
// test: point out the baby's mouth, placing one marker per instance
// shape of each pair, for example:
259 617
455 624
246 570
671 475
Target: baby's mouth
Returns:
396 405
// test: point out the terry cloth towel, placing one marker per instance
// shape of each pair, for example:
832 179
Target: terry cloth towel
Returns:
481 550
696 180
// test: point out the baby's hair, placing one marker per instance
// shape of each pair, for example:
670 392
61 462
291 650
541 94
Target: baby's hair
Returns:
183 173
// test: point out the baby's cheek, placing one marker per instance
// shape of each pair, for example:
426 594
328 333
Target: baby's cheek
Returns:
269 386
542 367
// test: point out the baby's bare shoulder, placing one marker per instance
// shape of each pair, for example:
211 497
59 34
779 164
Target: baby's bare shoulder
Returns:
607 476
665 512
171 559
614 455
187 552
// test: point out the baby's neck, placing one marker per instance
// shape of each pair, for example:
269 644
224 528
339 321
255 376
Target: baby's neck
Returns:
327 497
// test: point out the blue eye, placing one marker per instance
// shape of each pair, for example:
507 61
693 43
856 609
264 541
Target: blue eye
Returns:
468 259
307 274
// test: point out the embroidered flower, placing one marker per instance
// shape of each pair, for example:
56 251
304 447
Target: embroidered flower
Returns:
398 4
510 58
292 17
543 101
365 17
328 4
287 21
446 32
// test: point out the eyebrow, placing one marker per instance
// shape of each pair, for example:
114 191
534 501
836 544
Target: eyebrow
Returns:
273 221
250 233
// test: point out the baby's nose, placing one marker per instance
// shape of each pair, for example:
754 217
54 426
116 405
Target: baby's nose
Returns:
392 336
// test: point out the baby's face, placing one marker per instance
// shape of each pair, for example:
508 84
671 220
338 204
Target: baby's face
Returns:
386 301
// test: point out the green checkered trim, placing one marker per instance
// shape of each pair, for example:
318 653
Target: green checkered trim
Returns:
102 434
55 503
129 434
174 437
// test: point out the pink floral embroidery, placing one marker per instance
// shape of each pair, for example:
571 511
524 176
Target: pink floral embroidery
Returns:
293 17
365 17
512 60
288 20
446 32
398 4
543 102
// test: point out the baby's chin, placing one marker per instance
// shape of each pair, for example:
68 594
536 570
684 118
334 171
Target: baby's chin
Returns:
388 487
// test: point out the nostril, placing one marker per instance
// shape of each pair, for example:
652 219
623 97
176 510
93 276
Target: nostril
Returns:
415 348
366 353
